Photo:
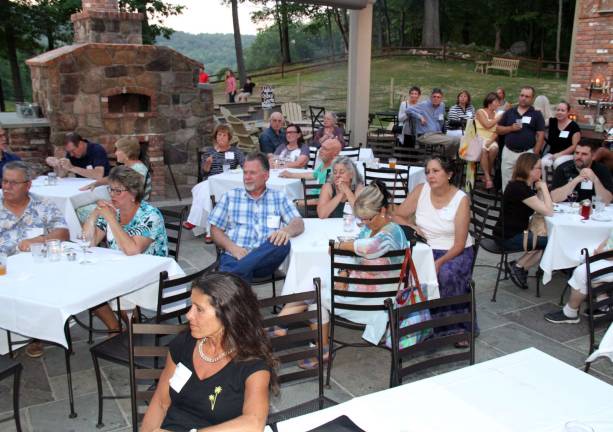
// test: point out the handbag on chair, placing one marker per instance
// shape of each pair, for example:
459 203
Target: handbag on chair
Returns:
410 292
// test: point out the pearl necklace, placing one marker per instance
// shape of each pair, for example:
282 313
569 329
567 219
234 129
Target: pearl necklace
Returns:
208 359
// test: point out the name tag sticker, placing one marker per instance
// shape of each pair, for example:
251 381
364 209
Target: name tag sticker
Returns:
34 232
526 119
229 155
180 377
89 167
441 117
564 134
273 221
587 185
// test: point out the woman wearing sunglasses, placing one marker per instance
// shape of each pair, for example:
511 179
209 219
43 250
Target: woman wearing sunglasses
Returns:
127 223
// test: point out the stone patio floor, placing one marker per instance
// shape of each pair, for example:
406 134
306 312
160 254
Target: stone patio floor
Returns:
513 323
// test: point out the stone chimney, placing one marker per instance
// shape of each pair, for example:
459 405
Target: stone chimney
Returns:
100 21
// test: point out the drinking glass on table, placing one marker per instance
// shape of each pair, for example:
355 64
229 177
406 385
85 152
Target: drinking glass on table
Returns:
39 252
598 204
392 163
84 240
572 197
575 426
3 261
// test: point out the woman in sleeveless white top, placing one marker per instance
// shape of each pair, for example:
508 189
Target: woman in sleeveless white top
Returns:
442 215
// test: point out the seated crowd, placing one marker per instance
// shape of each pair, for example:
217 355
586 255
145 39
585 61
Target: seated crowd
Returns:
226 353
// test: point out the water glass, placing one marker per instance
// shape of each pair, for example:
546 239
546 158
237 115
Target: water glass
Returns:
226 167
3 263
52 179
54 250
598 204
347 222
520 123
575 426
39 252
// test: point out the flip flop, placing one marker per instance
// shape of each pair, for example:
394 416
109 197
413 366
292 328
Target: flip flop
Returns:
276 331
312 363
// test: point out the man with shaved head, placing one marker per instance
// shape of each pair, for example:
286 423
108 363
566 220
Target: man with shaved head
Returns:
273 136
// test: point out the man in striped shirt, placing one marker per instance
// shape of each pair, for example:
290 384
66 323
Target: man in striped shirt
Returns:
253 225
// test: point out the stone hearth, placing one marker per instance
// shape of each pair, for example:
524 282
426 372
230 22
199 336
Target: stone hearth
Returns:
107 85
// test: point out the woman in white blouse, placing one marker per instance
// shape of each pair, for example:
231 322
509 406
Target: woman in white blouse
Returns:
404 118
442 215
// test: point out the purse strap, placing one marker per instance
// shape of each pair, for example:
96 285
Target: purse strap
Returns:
404 278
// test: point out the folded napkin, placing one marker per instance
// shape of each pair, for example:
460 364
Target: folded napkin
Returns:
605 349
339 424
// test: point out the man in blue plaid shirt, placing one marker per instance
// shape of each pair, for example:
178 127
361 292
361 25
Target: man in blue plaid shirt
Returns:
253 225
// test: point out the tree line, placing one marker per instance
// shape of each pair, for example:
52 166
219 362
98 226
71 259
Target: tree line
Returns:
297 31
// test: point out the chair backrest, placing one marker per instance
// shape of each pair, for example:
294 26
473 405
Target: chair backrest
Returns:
173 294
199 160
316 113
173 221
296 344
238 126
142 380
352 153
346 299
396 181
382 148
292 112
485 211
310 190
411 156
312 156
422 354
598 266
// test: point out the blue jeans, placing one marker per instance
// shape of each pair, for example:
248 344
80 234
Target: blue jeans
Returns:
261 261
517 242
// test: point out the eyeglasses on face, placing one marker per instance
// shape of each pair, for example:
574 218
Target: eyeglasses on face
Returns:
115 191
13 182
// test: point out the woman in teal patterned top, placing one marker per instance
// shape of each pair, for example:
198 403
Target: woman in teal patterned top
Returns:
128 224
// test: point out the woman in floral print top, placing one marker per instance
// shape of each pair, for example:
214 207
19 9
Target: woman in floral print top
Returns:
128 224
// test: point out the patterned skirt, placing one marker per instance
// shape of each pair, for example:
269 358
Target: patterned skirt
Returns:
453 280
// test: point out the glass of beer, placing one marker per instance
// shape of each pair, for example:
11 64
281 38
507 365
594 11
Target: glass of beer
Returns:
3 260
392 163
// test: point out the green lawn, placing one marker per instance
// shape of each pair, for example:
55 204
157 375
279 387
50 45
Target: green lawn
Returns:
327 86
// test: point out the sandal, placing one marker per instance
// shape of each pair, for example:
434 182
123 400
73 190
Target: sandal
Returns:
462 344
489 185
276 331
35 349
312 363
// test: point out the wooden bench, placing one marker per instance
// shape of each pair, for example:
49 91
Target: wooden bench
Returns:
505 64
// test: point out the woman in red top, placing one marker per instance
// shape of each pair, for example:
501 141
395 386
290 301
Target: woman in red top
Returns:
230 85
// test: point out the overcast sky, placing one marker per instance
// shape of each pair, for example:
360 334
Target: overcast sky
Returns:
210 16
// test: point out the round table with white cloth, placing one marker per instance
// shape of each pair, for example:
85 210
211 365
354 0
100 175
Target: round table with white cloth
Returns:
568 234
309 258
67 197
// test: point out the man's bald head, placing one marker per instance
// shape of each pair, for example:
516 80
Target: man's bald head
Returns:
329 150
276 121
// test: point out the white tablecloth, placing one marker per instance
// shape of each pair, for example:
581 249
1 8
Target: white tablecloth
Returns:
605 347
36 299
528 391
309 258
67 197
567 234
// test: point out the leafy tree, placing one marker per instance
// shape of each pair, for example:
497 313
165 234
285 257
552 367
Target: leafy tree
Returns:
154 12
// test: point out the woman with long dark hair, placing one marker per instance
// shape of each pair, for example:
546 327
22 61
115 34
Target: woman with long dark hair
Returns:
294 152
227 357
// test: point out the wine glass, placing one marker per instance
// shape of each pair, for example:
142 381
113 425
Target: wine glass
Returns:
572 197
84 239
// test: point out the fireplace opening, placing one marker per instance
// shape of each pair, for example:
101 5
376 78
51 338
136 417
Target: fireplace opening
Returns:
129 103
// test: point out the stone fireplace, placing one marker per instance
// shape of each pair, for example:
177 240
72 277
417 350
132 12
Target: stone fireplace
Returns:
108 85
590 75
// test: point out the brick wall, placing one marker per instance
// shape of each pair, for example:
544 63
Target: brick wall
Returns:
592 55
31 144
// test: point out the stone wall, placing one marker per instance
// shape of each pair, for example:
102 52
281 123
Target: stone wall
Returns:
592 54
31 144
74 84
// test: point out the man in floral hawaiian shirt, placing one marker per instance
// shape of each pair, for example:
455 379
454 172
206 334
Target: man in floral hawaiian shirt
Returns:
24 218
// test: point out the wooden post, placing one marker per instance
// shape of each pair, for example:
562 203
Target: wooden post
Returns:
298 88
392 92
